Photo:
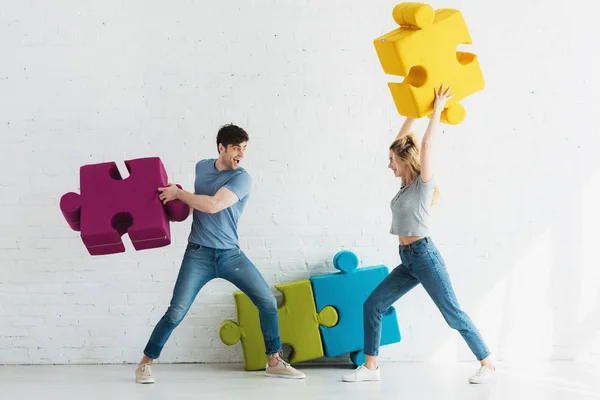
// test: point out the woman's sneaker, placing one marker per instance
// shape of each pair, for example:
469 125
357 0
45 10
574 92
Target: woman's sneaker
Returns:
143 374
483 375
362 374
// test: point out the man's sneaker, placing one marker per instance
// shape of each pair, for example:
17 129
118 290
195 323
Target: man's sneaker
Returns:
143 374
483 375
283 370
362 374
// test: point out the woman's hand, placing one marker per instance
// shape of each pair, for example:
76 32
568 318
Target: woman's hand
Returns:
441 97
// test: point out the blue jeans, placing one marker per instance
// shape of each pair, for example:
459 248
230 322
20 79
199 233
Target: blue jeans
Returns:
202 264
421 263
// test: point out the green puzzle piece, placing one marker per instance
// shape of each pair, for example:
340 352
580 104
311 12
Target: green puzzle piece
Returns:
298 324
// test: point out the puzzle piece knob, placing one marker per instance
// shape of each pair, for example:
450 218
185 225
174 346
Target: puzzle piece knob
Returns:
70 205
229 332
358 358
454 114
177 209
346 261
328 317
417 15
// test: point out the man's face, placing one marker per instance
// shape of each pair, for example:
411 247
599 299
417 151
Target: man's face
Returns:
232 155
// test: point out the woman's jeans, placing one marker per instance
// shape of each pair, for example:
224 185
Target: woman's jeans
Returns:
202 264
421 263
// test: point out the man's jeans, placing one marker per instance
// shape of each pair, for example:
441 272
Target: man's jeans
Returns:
202 264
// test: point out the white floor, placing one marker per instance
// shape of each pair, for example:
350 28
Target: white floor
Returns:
557 380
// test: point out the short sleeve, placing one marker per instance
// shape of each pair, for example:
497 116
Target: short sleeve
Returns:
429 185
240 184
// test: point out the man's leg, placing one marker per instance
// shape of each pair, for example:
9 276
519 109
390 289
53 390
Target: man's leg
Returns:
197 268
234 266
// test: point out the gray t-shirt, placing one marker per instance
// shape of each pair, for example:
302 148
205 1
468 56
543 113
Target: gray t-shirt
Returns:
410 208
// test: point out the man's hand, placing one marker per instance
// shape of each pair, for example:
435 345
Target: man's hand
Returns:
169 193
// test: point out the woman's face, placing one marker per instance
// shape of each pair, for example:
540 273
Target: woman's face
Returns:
399 167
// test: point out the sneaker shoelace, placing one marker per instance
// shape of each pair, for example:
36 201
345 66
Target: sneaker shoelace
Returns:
357 370
282 361
145 370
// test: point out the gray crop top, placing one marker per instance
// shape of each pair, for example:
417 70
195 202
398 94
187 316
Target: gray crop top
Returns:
410 208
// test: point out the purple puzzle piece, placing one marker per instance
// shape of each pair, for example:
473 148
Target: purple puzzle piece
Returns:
110 206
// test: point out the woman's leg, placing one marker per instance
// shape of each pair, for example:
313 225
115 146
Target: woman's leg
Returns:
430 269
395 285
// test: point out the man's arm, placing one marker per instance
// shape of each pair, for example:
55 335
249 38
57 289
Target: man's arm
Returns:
209 204
223 199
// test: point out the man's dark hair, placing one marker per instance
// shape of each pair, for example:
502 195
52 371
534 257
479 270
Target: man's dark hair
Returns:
231 134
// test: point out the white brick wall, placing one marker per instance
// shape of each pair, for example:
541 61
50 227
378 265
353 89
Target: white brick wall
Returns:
84 82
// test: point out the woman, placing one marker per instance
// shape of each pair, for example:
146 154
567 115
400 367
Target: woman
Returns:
421 261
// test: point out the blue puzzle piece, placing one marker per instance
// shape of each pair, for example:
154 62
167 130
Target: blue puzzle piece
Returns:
347 291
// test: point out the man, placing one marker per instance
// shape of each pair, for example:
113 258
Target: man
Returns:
221 191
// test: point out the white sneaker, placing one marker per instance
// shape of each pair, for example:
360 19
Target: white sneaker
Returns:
143 374
483 375
362 374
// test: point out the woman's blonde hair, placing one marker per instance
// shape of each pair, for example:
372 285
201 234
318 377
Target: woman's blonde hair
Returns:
407 150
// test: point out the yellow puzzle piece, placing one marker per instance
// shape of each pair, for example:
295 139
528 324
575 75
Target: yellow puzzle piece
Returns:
423 50
299 324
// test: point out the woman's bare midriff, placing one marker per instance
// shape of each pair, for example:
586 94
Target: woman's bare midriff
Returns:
404 240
